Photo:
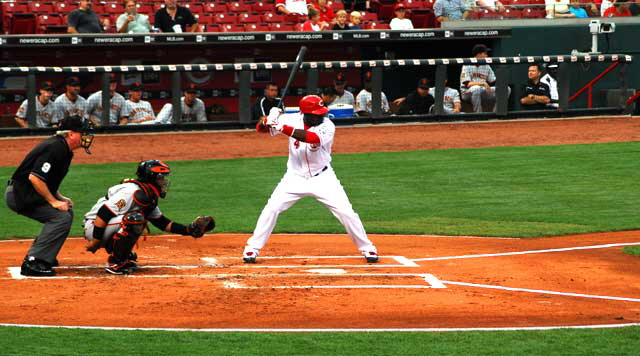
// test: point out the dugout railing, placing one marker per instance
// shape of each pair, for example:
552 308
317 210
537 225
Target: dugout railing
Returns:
312 70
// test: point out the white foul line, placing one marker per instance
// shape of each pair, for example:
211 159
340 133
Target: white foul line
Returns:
525 252
362 286
540 291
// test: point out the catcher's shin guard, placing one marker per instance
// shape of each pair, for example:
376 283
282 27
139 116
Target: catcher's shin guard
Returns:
125 239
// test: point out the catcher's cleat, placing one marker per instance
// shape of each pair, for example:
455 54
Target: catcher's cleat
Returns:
249 255
117 267
371 256
36 268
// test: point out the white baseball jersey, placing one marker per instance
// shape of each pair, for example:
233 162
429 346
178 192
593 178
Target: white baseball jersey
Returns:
44 113
65 107
363 102
134 111
193 113
451 96
306 159
296 6
94 107
119 199
475 73
400 24
346 98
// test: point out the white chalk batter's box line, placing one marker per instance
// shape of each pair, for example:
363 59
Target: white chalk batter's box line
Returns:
401 262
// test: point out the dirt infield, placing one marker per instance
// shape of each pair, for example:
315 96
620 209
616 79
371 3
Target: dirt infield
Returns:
314 281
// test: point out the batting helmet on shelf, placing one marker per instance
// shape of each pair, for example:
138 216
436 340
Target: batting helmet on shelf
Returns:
313 104
155 172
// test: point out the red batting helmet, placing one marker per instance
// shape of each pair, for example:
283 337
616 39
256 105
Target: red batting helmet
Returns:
313 104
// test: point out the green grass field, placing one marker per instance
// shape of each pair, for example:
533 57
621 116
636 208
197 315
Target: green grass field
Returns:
514 191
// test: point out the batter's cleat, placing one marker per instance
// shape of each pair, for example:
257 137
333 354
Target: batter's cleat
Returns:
34 267
371 256
117 267
249 255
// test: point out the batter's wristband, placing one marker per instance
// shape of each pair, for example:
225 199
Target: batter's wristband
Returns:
287 130
98 232
179 229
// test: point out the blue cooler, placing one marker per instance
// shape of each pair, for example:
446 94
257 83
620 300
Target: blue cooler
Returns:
291 109
341 110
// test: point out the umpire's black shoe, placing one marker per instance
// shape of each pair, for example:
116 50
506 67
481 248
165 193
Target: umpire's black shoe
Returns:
36 268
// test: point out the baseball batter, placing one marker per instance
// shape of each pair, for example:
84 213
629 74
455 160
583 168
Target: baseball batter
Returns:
136 110
70 103
309 173
94 104
118 219
44 108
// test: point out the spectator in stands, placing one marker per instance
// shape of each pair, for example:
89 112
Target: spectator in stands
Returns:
491 5
634 8
550 79
300 7
85 20
136 110
94 104
71 103
451 100
131 21
328 95
356 19
264 104
193 109
477 80
536 94
44 108
400 22
341 21
313 24
446 10
576 10
175 18
418 102
343 96
620 8
557 8
364 105
326 12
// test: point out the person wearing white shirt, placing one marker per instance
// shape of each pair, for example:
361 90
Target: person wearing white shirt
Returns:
400 22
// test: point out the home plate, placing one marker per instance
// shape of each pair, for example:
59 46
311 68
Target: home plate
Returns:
327 271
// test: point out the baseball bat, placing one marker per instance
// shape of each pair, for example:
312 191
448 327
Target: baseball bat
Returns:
292 74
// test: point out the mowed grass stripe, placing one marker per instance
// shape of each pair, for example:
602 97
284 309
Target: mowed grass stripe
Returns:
502 191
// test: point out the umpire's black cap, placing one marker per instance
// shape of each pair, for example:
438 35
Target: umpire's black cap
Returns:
479 48
75 123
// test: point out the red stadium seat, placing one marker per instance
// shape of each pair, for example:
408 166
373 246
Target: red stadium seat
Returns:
23 24
262 6
231 28
279 27
195 8
511 14
335 5
413 4
47 23
272 18
487 15
376 26
212 8
256 28
369 16
157 6
212 28
533 13
145 10
40 8
428 4
9 8
247 18
424 19
239 7
113 8
294 18
225 19
62 8
385 11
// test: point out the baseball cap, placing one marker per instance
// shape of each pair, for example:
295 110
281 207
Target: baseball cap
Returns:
480 48
340 79
137 86
74 123
400 6
191 88
112 78
46 85
73 81
423 83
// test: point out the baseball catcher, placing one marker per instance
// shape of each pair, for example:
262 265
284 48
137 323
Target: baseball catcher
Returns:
120 217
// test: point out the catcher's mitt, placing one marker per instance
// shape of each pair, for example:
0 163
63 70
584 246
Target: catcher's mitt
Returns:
200 225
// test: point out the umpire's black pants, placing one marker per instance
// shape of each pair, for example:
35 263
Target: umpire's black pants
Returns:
57 225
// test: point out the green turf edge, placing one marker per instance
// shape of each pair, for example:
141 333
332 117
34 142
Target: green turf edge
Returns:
632 250
69 342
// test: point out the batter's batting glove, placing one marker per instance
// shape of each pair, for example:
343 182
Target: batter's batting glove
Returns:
200 225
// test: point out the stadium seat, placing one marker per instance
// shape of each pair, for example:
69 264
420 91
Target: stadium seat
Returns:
23 24
262 7
511 14
376 26
40 8
239 7
195 8
9 8
49 23
279 27
413 4
294 18
212 28
113 8
335 5
428 4
533 13
369 16
145 10
272 18
384 10
212 8
231 28
423 18
62 8
488 15
157 6
248 18
256 28
225 19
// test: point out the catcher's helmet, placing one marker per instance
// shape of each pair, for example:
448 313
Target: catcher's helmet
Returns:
155 172
313 104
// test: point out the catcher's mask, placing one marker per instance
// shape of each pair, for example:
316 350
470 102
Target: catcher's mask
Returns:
155 172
